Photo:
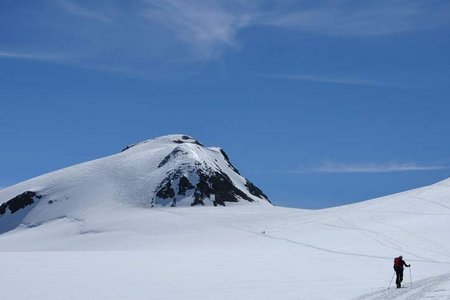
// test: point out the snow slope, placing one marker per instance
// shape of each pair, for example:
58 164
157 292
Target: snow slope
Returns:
117 250
436 287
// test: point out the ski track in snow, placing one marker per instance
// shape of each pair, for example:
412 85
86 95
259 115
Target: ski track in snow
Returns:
444 251
378 237
431 288
342 252
430 201
304 244
295 242
382 239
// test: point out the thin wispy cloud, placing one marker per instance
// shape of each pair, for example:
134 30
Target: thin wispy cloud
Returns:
148 36
364 19
142 38
209 27
103 15
30 56
372 167
327 79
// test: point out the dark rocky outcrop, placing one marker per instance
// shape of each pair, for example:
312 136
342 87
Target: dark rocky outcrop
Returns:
188 139
204 183
173 185
128 147
191 141
19 202
219 185
166 190
255 191
184 185
228 161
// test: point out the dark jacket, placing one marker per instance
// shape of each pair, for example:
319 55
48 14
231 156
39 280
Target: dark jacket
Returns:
399 263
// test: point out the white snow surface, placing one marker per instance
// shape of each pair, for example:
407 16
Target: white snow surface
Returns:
117 248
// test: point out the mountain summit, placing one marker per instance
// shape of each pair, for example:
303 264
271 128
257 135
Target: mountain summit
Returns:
173 170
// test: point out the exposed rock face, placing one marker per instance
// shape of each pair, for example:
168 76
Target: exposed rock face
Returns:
184 185
19 202
195 182
219 186
255 191
187 139
15 209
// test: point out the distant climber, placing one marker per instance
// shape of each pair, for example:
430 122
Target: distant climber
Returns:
398 267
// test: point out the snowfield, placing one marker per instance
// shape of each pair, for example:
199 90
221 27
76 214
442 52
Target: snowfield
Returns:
436 287
118 248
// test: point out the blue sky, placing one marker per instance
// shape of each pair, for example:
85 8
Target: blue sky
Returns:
319 103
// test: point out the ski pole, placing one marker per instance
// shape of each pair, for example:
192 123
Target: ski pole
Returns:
391 280
410 277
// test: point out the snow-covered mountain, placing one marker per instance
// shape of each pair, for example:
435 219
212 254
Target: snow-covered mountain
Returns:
90 232
173 170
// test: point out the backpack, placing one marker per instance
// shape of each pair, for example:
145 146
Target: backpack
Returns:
397 262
